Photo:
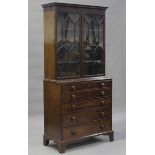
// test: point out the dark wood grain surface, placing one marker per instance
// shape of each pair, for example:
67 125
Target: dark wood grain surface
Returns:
94 114
86 129
49 45
52 110
86 104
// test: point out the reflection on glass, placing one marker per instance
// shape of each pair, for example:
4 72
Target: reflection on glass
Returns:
93 44
68 45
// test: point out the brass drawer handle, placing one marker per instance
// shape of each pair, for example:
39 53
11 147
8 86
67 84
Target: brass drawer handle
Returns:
73 132
102 114
97 120
73 118
102 84
102 92
73 107
73 88
102 102
73 97
101 126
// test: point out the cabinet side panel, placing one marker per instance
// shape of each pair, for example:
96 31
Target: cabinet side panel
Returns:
49 44
52 109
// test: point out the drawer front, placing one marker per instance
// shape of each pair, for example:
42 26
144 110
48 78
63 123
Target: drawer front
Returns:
86 104
89 116
92 93
99 93
86 85
86 129
100 84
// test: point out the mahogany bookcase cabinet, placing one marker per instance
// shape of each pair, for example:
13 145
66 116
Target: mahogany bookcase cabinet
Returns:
77 94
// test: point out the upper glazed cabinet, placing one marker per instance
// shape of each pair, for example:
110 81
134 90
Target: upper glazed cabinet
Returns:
74 41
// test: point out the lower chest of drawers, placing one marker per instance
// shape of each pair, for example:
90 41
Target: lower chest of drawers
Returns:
76 109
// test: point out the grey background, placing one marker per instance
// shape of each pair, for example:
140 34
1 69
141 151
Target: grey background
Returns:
115 68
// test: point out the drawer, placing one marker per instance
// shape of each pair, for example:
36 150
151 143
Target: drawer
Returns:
86 129
89 116
86 85
86 104
85 94
99 92
100 84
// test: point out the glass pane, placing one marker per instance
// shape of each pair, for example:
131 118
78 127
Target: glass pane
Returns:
93 44
68 45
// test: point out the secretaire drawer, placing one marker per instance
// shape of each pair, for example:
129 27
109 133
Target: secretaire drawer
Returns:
98 114
86 94
86 104
86 129
86 85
